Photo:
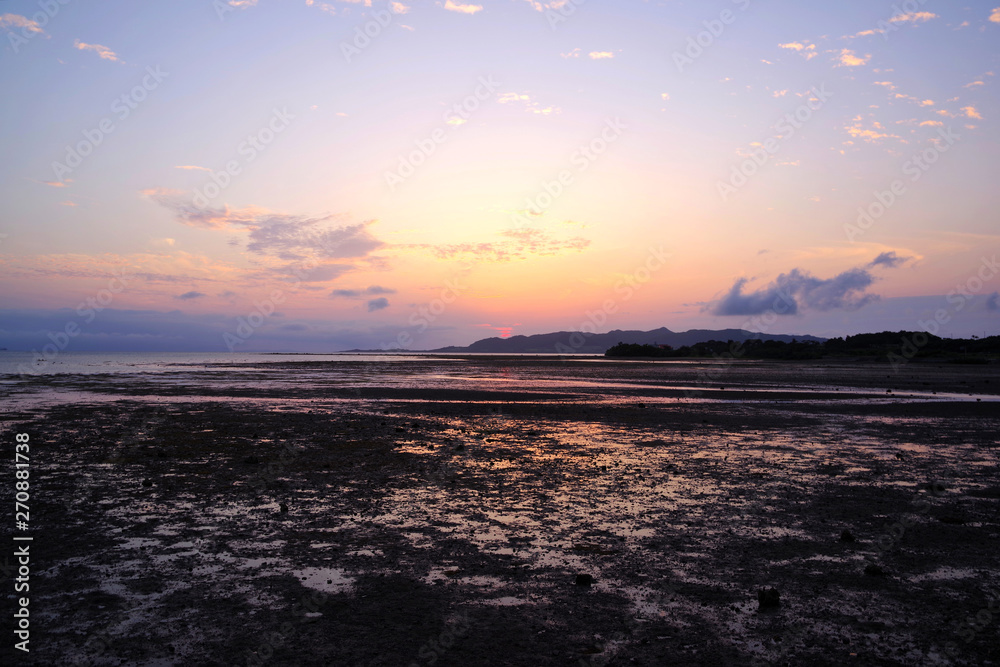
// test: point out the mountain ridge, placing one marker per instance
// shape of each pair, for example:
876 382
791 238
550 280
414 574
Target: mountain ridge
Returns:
576 342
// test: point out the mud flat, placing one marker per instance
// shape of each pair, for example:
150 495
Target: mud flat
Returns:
441 511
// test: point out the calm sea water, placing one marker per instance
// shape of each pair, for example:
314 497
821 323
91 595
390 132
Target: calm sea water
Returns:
28 364
13 363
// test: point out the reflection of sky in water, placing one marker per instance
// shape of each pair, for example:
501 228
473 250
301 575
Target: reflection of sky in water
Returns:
302 385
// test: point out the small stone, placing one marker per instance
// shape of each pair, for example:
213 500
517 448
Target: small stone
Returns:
873 570
584 579
768 598
847 536
147 482
283 507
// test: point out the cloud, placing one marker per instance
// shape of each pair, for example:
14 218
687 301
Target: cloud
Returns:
995 15
971 112
296 237
192 167
102 51
993 302
889 260
552 4
807 51
378 304
286 236
869 136
59 184
913 17
847 58
187 296
796 290
398 8
372 290
518 244
504 98
601 55
575 53
462 8
329 9
303 246
17 21
529 105
179 202
321 273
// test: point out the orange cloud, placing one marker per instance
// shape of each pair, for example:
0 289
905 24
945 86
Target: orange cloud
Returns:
847 58
102 51
461 8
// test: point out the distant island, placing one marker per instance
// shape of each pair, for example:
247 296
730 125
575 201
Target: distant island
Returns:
903 344
576 342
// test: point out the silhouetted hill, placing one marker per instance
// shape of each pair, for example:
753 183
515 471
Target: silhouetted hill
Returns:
569 342
894 347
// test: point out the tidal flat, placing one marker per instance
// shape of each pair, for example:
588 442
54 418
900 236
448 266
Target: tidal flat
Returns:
441 511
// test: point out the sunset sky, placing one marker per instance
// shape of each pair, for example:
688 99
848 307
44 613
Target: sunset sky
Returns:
318 176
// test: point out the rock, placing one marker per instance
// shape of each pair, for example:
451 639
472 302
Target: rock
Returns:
147 482
873 570
768 598
251 460
283 507
584 579
953 519
847 536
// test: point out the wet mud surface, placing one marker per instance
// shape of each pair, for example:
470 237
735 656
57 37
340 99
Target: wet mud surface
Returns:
440 512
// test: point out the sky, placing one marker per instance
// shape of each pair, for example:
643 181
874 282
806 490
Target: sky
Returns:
297 175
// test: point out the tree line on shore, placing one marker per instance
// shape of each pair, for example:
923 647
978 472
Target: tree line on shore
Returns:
875 346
